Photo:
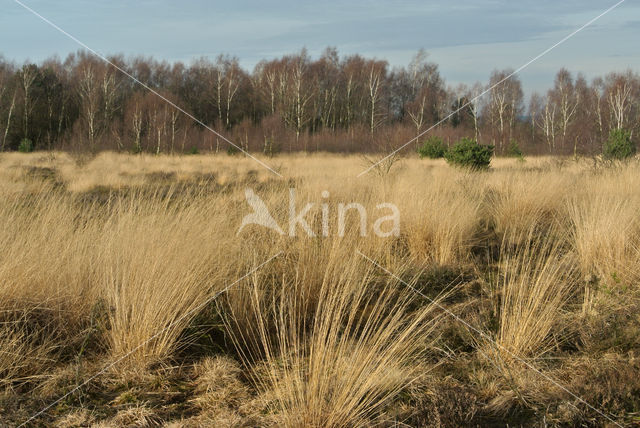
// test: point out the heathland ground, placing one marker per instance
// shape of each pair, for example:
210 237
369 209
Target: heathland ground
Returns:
509 296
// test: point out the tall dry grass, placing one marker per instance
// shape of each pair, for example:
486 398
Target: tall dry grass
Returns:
441 219
173 270
118 255
338 361
64 258
536 280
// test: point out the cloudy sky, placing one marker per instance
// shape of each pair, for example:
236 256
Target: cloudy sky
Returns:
466 38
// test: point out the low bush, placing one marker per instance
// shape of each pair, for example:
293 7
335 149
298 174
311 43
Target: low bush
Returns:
514 150
26 146
432 148
469 154
619 145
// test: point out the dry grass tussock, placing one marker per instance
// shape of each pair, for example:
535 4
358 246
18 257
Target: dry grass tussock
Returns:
536 281
339 361
116 255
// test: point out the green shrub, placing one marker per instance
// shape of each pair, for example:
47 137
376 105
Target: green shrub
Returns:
26 146
193 151
232 150
619 145
432 148
469 154
514 150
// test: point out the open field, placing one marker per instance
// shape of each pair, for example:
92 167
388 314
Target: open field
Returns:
509 296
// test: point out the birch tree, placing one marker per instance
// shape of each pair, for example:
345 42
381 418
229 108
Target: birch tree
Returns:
89 94
27 76
504 106
566 100
376 76
621 95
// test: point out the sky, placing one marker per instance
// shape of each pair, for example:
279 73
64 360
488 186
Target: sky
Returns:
468 39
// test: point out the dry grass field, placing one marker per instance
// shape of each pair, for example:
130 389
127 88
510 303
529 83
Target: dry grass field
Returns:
511 297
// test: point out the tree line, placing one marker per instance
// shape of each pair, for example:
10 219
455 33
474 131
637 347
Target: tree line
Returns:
296 103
